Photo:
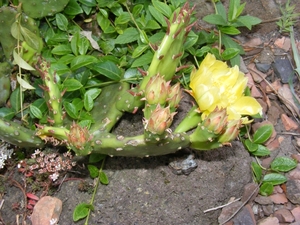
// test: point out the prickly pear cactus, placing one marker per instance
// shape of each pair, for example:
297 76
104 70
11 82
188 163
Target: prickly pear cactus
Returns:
18 135
5 69
39 9
8 16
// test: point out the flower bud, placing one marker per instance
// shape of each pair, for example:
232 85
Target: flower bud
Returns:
157 89
79 137
175 95
160 120
231 132
216 121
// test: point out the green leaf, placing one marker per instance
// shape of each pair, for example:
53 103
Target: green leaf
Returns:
229 30
157 16
61 21
83 45
215 20
89 3
82 60
21 62
261 151
274 178
88 102
283 164
31 38
85 122
137 9
124 18
262 134
130 35
95 157
74 42
251 147
77 102
71 110
81 211
108 69
94 171
249 21
103 178
140 49
152 25
24 84
61 49
35 111
7 113
143 60
93 92
73 8
15 100
163 8
71 84
229 53
257 171
266 189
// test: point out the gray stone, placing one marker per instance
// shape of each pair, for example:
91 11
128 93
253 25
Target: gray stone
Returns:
245 216
293 191
263 67
263 200
283 68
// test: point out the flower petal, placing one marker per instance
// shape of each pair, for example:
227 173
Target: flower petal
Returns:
247 105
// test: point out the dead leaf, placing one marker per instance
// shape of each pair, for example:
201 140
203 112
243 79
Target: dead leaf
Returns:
288 123
286 96
88 35
274 86
256 74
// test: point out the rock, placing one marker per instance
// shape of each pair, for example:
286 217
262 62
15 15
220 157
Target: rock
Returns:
228 210
295 173
284 216
263 67
279 198
245 216
283 68
263 200
248 191
268 209
269 221
288 123
293 191
46 211
296 213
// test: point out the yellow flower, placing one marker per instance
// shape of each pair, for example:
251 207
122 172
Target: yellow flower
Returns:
215 84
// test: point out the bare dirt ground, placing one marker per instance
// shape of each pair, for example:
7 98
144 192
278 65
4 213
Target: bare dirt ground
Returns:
144 190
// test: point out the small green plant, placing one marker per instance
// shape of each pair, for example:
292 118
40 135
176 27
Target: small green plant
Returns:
227 24
267 178
83 210
288 18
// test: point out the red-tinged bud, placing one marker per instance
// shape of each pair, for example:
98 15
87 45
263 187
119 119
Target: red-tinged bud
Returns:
79 138
156 91
216 121
160 120
231 132
175 95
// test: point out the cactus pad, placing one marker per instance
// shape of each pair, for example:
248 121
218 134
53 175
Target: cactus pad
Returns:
42 8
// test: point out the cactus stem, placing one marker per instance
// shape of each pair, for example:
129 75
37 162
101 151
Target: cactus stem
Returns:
161 57
177 33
